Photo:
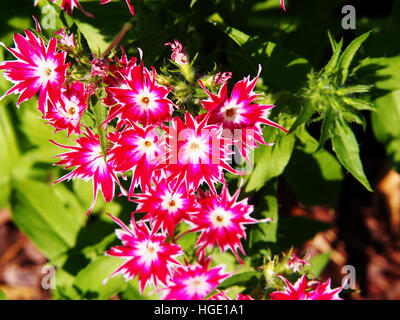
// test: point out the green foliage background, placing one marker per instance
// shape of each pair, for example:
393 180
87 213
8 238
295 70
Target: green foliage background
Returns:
323 87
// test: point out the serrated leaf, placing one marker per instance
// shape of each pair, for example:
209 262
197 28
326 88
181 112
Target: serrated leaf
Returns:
345 145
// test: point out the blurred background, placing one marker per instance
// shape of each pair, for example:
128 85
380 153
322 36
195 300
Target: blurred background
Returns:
361 228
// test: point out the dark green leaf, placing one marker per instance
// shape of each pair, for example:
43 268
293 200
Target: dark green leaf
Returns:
345 145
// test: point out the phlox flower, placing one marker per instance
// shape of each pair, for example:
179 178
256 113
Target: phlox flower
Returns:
137 150
301 290
140 98
221 221
296 263
147 254
178 55
194 282
38 68
128 3
197 153
87 157
66 112
283 5
69 5
165 207
240 113
66 39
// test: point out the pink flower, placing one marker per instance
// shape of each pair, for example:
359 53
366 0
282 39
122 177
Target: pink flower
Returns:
298 291
222 296
221 222
283 5
221 77
66 112
66 40
115 77
194 282
165 207
178 52
90 164
147 254
128 3
137 150
197 153
296 263
38 68
99 68
69 5
239 113
140 98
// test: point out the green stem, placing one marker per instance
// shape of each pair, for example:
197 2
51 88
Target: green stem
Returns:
100 114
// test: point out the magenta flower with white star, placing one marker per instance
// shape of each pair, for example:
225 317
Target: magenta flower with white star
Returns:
240 113
140 98
137 150
90 164
306 290
194 282
66 112
221 222
147 254
166 208
283 5
38 68
197 153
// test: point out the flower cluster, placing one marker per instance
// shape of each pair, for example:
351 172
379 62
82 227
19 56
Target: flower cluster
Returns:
174 156
69 5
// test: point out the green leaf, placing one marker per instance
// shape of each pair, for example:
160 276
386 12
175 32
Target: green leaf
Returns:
345 145
241 279
89 281
3 295
385 125
318 264
326 127
384 73
337 49
267 207
348 55
320 170
304 115
49 215
270 161
290 69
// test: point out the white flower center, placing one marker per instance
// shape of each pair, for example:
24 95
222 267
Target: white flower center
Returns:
220 218
145 100
231 111
195 150
46 71
171 202
148 252
197 285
